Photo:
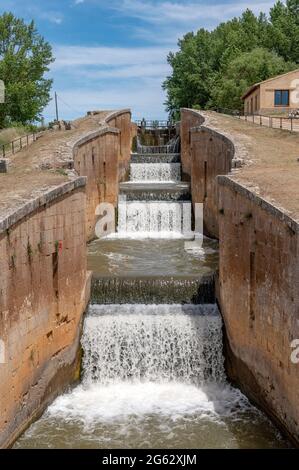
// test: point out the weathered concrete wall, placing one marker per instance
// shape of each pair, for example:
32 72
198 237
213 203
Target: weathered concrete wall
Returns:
189 119
97 157
259 297
211 155
121 120
258 288
44 289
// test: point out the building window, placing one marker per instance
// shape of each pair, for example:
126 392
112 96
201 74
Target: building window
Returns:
282 98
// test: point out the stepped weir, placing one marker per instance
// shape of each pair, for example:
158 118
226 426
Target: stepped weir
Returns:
153 372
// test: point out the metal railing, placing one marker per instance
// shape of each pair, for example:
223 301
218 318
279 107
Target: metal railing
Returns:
172 147
273 122
152 125
18 144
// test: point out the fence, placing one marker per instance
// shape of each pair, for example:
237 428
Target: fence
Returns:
274 122
152 125
172 147
18 144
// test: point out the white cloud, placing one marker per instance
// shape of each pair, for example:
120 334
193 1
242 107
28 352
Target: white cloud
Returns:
116 77
188 12
130 71
75 56
52 16
142 102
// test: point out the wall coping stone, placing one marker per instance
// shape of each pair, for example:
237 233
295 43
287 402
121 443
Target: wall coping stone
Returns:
94 134
46 198
241 157
118 113
68 158
226 180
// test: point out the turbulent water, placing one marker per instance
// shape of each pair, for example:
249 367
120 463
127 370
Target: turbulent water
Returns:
153 172
147 343
153 378
153 375
150 219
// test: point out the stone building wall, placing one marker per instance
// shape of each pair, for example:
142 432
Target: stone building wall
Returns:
44 290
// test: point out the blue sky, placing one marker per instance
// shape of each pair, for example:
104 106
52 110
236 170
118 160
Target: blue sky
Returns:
112 53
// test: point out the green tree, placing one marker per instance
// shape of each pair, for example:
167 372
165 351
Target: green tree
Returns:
189 83
242 72
283 31
210 67
24 59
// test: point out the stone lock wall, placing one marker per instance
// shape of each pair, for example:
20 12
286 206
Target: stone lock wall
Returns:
121 120
44 290
189 119
104 158
259 297
258 289
44 282
211 155
97 158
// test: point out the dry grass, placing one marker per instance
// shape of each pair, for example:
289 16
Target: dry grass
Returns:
12 133
273 167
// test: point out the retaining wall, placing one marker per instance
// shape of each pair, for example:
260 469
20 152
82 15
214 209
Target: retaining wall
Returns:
44 283
44 289
258 288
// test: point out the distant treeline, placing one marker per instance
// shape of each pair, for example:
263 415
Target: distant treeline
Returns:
214 68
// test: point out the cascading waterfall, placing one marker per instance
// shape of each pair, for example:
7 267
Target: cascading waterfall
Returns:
153 367
151 217
153 343
153 172
154 216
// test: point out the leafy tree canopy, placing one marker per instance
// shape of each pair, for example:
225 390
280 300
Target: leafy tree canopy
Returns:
24 59
214 68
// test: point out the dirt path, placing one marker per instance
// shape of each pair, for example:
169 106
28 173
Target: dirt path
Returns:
38 168
272 168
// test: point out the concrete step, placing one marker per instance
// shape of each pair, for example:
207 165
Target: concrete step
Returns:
155 191
155 158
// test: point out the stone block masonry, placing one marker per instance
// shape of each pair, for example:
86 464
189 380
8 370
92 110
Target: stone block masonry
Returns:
44 290
258 289
97 158
103 157
44 283
259 297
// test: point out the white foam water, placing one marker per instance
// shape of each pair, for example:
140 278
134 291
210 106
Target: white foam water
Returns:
155 172
153 378
150 360
154 219
122 400
144 360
